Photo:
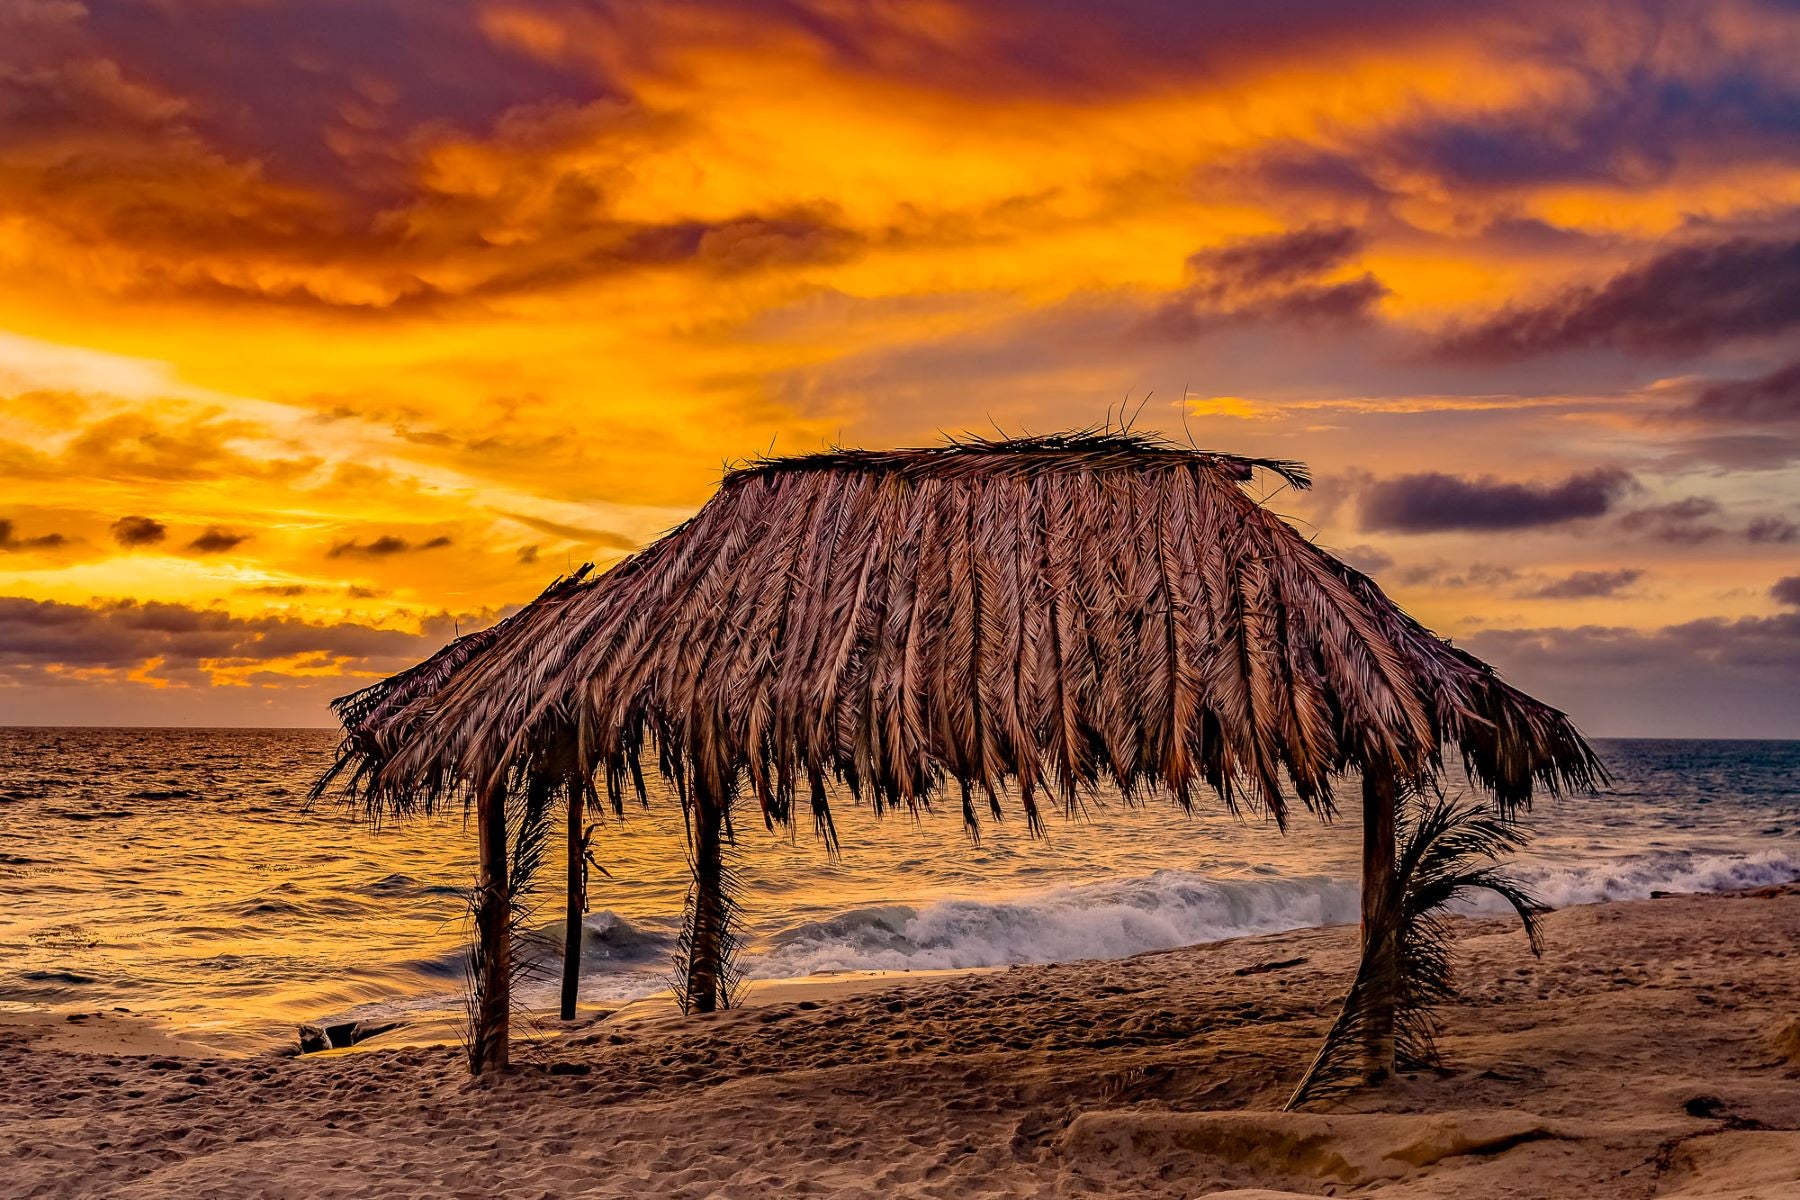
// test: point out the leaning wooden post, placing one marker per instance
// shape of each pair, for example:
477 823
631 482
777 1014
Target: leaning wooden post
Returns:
1380 946
493 928
571 969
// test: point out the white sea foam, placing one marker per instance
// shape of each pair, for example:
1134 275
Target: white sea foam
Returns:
1635 876
1103 920
1175 908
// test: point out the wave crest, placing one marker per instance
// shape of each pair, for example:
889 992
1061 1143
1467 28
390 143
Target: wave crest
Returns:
1105 920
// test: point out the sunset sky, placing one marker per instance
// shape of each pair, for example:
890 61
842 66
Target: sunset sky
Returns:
331 327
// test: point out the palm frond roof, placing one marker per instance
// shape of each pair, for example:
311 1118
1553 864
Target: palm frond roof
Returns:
1023 616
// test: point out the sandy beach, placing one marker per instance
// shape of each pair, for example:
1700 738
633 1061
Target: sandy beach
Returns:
1654 1051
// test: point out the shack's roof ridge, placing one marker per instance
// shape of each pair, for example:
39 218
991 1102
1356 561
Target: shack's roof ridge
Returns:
968 453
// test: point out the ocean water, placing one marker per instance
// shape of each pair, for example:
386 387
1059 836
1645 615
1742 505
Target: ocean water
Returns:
181 872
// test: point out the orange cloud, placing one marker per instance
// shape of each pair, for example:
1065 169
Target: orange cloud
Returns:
377 308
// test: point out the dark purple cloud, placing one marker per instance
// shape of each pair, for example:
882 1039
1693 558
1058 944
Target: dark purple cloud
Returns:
10 541
217 539
1716 677
1631 127
126 634
1748 643
1686 299
1060 49
327 91
1278 258
731 246
1774 397
1442 574
202 139
1632 130
138 531
386 546
1277 278
1685 522
1586 585
1772 530
1787 590
1432 502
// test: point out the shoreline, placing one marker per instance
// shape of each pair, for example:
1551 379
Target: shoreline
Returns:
1653 1051
120 1031
437 1018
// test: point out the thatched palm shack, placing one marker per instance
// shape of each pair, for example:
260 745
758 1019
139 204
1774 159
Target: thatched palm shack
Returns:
1029 618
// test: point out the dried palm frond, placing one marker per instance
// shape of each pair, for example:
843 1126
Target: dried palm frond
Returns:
363 712
1446 852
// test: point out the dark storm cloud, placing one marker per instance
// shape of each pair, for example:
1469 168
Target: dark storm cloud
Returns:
1633 129
36 634
1753 644
1685 522
205 140
138 531
1054 49
1787 590
1432 502
329 85
1279 258
1442 574
10 541
1716 677
1634 119
736 245
1774 397
197 142
282 590
1269 279
1686 299
1585 585
1297 169
217 539
386 546
1770 530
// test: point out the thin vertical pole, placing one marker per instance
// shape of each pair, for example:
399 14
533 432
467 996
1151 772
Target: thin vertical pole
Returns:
709 926
1380 946
493 926
571 970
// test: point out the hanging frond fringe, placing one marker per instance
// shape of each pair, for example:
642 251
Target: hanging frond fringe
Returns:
1045 614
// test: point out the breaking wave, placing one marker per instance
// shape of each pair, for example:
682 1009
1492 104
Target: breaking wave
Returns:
1104 920
1635 876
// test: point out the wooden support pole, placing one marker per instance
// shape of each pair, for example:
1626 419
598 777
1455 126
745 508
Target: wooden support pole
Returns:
493 929
709 927
1380 946
571 967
